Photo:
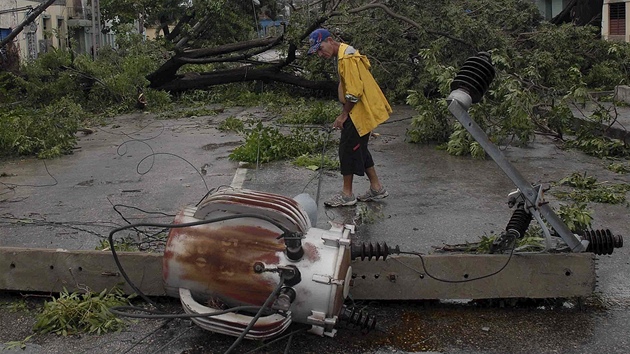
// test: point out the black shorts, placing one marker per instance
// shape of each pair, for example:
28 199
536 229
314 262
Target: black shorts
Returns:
354 156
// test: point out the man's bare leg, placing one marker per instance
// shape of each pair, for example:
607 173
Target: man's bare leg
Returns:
347 185
375 183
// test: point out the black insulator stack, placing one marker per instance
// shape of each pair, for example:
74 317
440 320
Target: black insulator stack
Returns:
475 76
369 250
519 222
358 318
602 241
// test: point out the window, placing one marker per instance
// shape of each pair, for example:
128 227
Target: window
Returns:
618 19
46 28
61 36
4 32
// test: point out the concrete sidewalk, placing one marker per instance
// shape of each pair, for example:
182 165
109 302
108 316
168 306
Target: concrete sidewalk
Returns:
618 128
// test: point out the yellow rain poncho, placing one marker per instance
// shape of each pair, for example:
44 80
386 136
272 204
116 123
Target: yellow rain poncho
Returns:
356 81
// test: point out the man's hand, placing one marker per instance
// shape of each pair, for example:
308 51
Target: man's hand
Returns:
338 123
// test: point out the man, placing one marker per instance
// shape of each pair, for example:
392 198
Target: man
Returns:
364 108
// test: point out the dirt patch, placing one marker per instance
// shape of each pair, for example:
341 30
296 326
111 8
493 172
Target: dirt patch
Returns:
17 316
88 183
214 146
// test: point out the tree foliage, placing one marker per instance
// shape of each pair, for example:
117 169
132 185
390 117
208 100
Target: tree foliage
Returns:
415 49
185 24
73 313
47 132
541 69
60 91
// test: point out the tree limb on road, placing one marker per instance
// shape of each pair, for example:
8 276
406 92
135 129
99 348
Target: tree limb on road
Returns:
166 78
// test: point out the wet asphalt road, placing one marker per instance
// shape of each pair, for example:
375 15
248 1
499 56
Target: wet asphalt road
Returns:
434 199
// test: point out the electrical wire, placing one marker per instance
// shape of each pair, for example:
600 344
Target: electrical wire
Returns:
120 311
149 237
321 166
136 132
255 319
28 221
120 152
455 281
288 346
132 139
396 121
159 350
213 190
264 345
13 185
124 143
7 200
116 206
37 222
146 336
169 154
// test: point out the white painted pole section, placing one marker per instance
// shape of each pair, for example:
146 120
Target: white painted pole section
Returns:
239 176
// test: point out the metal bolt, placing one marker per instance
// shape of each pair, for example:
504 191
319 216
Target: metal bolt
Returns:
259 267
392 277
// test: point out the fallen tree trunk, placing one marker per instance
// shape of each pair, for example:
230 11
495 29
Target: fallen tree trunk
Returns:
194 81
581 13
168 71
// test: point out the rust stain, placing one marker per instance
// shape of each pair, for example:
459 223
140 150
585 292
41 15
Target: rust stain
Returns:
168 254
221 259
311 252
165 264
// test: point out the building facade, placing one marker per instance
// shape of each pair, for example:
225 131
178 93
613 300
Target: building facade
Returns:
71 24
550 8
615 22
47 31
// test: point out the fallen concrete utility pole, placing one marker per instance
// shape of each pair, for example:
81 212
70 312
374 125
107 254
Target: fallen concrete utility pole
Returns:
52 270
541 275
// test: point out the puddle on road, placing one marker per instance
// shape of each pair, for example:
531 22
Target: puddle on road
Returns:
360 214
507 330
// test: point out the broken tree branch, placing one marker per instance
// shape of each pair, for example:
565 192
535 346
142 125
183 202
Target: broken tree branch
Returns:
405 19
188 60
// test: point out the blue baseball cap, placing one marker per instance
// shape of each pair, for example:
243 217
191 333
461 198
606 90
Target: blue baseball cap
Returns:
316 38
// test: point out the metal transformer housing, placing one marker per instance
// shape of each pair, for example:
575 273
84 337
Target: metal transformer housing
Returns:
215 261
